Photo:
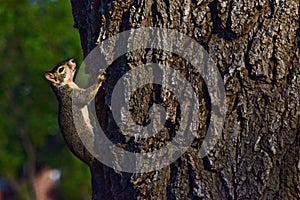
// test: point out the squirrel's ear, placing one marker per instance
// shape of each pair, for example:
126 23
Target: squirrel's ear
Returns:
50 77
71 61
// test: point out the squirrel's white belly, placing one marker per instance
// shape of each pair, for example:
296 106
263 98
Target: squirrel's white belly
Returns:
86 117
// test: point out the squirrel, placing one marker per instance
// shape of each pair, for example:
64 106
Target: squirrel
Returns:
73 116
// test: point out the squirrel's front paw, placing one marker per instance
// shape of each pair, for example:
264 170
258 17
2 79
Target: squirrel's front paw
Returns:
102 77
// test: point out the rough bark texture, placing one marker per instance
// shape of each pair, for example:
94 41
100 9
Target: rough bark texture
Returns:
256 46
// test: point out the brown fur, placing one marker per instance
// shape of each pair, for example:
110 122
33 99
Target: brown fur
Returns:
73 119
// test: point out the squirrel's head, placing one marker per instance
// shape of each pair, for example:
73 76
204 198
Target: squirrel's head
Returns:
62 73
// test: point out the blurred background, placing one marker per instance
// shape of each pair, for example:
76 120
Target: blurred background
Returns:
34 160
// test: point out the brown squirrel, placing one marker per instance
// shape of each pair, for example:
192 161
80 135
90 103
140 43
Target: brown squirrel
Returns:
73 113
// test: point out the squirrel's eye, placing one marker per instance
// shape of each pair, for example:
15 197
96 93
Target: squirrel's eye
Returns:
61 70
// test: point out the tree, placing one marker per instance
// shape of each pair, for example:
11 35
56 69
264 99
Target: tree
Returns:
255 46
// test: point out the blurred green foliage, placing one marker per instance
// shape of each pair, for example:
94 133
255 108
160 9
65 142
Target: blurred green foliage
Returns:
34 36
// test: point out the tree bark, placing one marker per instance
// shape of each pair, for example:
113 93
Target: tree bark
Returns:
256 47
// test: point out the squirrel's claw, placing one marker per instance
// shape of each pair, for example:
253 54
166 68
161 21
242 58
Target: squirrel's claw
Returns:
102 77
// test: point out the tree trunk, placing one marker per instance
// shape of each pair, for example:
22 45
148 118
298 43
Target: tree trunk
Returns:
256 48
